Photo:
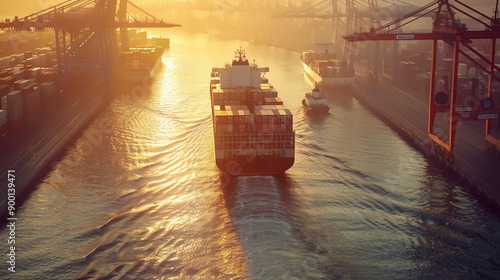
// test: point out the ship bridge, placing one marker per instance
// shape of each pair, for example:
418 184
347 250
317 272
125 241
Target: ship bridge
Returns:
240 73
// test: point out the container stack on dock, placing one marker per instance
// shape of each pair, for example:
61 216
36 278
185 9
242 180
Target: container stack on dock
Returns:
13 104
31 102
3 123
27 84
17 42
47 92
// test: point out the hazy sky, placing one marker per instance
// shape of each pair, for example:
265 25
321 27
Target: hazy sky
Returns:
10 8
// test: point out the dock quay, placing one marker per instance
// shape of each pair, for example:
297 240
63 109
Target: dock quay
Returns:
74 71
405 110
32 151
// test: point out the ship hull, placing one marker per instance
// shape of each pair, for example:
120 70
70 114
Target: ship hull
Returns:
141 75
259 165
339 81
140 68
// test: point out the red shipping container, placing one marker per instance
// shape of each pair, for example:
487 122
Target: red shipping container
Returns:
15 125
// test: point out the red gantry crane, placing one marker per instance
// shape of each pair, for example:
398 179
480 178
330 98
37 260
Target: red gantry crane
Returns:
448 28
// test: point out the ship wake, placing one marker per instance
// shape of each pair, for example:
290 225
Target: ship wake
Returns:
271 245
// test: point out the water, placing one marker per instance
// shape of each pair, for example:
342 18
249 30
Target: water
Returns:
138 196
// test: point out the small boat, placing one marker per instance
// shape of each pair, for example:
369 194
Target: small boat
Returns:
315 102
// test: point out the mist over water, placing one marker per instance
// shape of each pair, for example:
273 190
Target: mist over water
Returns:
138 196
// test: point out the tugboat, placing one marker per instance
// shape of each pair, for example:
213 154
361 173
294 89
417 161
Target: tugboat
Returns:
315 102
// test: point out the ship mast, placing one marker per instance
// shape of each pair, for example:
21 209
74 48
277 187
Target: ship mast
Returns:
239 54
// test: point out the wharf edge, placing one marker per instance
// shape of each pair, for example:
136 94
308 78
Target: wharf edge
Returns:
486 193
27 181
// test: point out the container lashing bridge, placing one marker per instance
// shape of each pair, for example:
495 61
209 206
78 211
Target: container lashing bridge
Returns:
85 33
448 28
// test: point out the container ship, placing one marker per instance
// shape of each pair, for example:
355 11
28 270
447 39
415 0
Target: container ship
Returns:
253 130
323 68
142 60
141 39
139 63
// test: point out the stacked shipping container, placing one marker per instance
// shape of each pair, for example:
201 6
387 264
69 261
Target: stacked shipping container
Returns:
250 121
253 130
12 103
243 96
25 86
3 123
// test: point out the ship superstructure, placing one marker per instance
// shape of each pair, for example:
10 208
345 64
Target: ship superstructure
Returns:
253 130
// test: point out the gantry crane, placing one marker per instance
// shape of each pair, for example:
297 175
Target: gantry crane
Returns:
354 12
80 25
448 28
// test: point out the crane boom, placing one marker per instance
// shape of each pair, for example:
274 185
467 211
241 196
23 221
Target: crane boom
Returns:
447 27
